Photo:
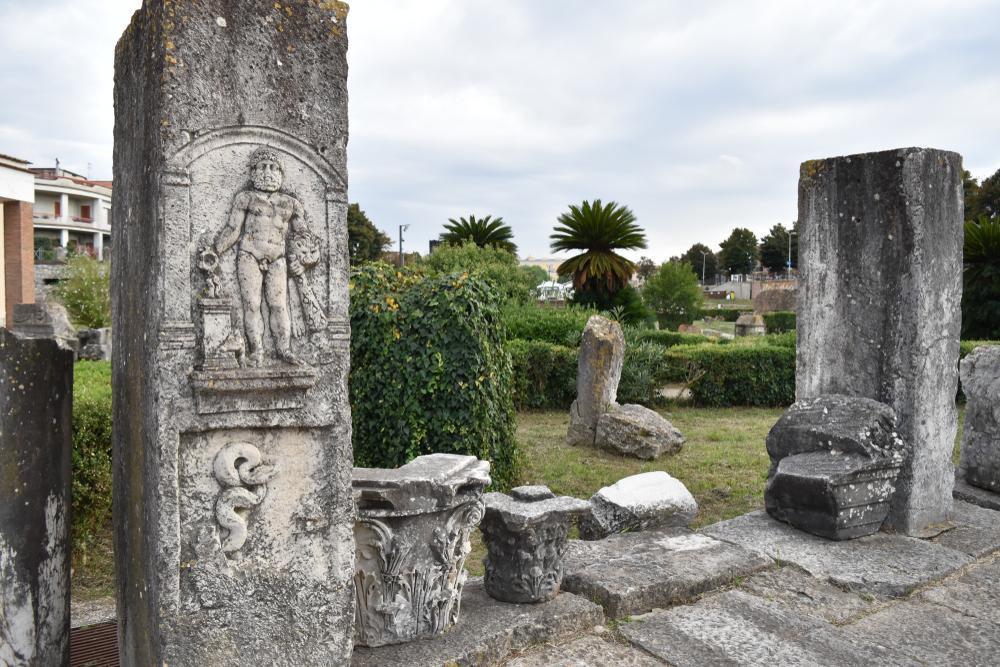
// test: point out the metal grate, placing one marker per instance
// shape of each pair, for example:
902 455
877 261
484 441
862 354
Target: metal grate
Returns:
94 646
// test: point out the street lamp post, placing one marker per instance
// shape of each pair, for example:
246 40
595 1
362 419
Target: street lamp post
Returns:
402 228
704 255
790 233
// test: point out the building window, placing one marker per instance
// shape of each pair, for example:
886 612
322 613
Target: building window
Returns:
58 208
85 211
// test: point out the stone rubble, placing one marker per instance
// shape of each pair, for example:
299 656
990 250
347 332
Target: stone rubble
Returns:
645 501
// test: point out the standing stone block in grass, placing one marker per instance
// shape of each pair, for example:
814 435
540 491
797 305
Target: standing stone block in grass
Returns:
834 463
525 535
36 396
641 502
879 305
233 508
596 419
980 462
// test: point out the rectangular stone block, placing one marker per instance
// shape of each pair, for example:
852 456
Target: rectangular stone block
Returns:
36 397
233 505
879 304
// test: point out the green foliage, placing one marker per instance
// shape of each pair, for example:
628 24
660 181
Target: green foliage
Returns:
365 241
774 249
645 268
91 451
645 370
544 374
599 230
663 338
739 251
981 199
429 370
750 374
558 326
86 291
780 321
673 294
495 265
981 278
624 306
535 275
723 314
709 261
483 232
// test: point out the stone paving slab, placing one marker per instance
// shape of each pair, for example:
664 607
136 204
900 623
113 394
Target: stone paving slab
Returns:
932 634
976 593
91 612
976 531
737 628
973 494
796 591
634 573
488 631
584 652
881 564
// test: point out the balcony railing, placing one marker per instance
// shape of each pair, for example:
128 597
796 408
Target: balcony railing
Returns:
53 218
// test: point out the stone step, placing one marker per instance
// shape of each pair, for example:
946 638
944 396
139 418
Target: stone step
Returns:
633 573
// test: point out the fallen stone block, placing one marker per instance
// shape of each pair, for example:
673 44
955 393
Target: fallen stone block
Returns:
980 458
639 502
975 495
637 431
634 573
834 463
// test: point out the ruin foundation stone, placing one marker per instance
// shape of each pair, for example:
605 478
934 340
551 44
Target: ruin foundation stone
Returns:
980 462
595 418
640 502
412 536
525 535
879 305
834 464
232 443
45 320
36 395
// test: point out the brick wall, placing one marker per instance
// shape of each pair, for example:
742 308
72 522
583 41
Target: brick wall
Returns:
19 255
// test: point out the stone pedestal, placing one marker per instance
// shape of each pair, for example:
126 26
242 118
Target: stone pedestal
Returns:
526 536
36 395
880 289
750 324
834 464
412 537
45 320
233 508
980 462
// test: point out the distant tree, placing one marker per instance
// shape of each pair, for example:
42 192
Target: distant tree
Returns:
535 275
981 280
739 251
774 249
598 230
85 291
365 242
484 232
695 258
673 294
645 268
970 188
516 283
987 200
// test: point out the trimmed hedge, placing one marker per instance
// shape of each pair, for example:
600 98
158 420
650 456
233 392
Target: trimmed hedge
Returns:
429 370
780 321
558 326
724 314
544 374
91 451
759 374
664 338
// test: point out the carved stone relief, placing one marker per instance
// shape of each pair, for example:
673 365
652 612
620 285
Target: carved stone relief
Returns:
239 468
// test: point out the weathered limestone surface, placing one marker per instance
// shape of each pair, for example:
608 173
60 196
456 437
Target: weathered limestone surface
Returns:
412 537
794 590
637 431
750 324
736 628
489 632
592 649
526 539
834 462
881 564
639 502
975 594
233 507
872 227
775 300
45 320
980 459
634 573
599 369
36 396
595 418
975 495
975 531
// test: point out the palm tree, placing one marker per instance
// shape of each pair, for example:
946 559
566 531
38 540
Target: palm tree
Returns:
981 293
483 232
599 231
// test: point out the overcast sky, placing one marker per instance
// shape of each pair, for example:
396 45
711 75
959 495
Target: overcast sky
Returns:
696 115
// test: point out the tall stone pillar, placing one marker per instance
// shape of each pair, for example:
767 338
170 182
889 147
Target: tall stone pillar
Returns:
232 444
879 305
19 255
36 394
